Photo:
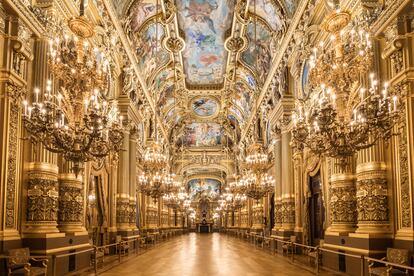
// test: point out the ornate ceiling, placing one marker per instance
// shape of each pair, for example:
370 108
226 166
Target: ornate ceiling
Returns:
204 61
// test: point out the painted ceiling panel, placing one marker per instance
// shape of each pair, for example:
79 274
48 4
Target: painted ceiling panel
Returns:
166 97
204 23
290 6
140 11
243 99
161 79
204 188
151 57
267 10
247 77
203 135
260 50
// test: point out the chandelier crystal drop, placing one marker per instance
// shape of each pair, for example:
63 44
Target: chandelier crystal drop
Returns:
342 116
72 115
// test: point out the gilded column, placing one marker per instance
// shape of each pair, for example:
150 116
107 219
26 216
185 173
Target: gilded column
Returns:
16 54
288 198
71 200
342 199
122 195
257 215
42 185
278 184
372 192
398 56
298 173
132 181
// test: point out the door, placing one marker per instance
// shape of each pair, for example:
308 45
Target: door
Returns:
316 210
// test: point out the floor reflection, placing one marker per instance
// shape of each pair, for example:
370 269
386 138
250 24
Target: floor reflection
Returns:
206 254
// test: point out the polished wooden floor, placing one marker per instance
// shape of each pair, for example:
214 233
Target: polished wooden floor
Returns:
206 254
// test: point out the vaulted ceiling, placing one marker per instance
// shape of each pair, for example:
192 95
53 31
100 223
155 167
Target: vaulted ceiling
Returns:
204 61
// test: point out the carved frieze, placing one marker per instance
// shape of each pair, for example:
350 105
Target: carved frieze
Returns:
42 205
342 203
288 212
12 165
372 200
70 202
132 212
122 210
406 207
278 212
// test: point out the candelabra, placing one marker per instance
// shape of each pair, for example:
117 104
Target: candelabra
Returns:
72 115
342 116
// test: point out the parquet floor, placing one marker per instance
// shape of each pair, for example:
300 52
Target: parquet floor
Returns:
205 255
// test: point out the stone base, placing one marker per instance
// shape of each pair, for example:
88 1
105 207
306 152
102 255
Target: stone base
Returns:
60 243
340 230
40 228
72 228
353 243
128 233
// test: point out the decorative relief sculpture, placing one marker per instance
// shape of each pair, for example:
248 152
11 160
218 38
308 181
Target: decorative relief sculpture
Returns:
122 210
42 203
372 200
288 212
342 204
71 202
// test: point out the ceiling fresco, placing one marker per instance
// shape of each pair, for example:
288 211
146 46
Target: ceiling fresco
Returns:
267 10
196 73
243 99
291 6
140 11
205 107
205 23
151 55
204 188
166 96
203 135
258 55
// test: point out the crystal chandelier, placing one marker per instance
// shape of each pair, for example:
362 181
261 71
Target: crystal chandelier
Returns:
72 115
171 200
342 116
152 184
154 157
256 183
153 181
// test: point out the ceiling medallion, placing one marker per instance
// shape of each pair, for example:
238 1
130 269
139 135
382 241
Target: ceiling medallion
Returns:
204 107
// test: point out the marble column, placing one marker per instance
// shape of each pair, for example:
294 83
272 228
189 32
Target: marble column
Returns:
288 196
342 198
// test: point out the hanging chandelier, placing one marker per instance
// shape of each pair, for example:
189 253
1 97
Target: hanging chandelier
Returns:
342 116
72 115
256 183
171 200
